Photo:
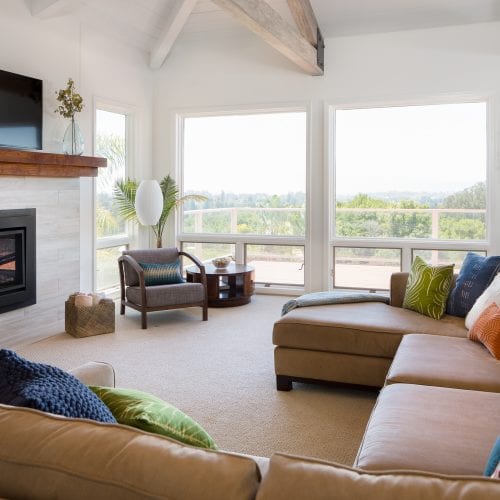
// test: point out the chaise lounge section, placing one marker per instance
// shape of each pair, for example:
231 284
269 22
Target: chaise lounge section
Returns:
350 343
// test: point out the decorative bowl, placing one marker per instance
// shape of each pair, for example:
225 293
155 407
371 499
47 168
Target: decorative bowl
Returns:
221 262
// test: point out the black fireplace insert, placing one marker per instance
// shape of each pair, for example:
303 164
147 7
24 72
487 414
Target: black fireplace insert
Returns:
17 258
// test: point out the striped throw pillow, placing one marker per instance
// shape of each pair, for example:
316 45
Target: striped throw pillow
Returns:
162 274
487 330
428 288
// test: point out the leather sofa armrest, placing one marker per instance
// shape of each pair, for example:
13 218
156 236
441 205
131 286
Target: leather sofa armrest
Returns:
398 288
95 373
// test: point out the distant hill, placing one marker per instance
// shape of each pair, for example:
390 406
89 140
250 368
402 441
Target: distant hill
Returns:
424 198
471 197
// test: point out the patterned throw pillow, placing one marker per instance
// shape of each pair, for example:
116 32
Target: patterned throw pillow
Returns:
494 459
162 274
428 288
475 276
487 330
47 388
149 413
490 295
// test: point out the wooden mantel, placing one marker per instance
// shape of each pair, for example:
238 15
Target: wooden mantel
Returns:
35 163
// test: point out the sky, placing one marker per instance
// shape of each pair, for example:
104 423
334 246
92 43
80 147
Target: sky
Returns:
109 123
437 148
257 153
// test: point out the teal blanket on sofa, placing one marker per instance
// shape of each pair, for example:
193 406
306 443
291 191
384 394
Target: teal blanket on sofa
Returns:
322 298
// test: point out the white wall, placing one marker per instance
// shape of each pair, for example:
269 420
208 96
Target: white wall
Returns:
57 49
54 50
409 66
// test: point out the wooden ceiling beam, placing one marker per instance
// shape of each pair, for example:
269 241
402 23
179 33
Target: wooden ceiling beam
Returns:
264 21
177 19
46 9
305 19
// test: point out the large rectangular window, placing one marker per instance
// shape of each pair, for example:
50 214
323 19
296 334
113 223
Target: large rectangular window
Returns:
411 172
111 229
252 169
403 174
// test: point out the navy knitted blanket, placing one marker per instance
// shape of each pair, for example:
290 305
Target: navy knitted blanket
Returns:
47 388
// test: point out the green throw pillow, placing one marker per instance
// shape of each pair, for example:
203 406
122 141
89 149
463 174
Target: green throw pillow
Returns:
149 413
428 288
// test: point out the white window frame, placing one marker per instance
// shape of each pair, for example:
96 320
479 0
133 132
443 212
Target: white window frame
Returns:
126 239
240 240
405 244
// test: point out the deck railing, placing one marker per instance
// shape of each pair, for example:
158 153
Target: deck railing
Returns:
234 212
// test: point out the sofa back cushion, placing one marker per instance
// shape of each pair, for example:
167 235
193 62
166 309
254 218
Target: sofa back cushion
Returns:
294 478
47 456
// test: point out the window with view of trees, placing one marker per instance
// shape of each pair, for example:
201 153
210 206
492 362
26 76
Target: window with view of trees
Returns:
111 229
408 173
252 169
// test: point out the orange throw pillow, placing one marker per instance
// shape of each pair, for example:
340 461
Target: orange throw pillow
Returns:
487 330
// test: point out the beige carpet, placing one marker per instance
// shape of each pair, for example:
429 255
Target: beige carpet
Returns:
221 373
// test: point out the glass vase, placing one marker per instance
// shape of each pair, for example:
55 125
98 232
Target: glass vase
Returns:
73 139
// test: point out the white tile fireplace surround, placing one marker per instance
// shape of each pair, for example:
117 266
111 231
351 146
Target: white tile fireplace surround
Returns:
57 204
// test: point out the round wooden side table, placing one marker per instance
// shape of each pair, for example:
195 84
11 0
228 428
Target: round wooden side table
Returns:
228 287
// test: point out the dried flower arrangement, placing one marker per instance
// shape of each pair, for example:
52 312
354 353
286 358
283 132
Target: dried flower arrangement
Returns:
71 101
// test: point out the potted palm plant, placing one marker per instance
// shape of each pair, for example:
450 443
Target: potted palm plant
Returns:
125 191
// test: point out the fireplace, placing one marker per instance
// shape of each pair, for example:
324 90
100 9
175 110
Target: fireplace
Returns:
17 259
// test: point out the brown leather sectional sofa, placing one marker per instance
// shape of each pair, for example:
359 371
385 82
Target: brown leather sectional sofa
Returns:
439 406
428 437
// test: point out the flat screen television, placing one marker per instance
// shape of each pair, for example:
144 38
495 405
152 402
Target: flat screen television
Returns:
20 111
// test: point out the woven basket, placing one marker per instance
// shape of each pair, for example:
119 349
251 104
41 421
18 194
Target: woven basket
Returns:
91 320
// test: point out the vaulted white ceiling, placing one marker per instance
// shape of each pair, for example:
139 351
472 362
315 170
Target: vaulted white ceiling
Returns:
143 23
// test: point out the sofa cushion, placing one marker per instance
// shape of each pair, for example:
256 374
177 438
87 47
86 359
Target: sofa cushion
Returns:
428 288
434 429
487 330
476 273
47 388
46 456
444 362
157 296
149 413
295 478
369 329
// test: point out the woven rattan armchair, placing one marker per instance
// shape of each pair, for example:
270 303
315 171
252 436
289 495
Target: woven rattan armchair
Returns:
142 298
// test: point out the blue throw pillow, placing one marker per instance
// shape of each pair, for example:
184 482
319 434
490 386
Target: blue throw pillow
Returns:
162 274
47 388
494 459
475 276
